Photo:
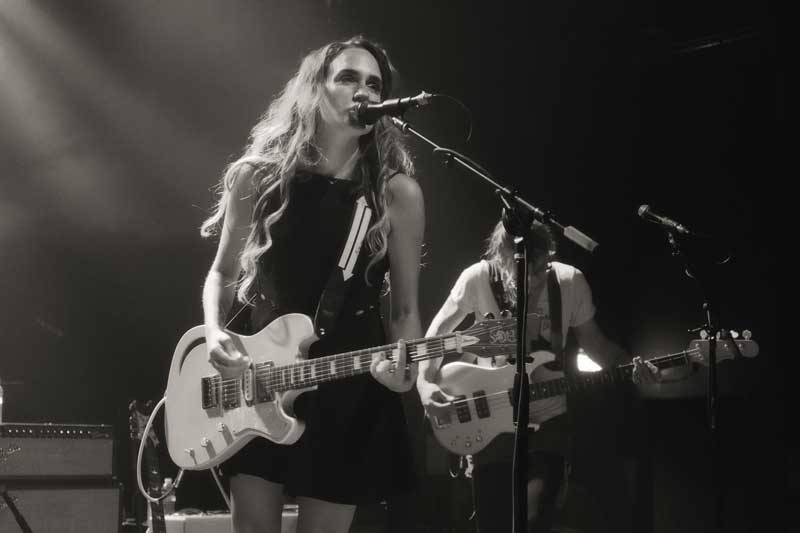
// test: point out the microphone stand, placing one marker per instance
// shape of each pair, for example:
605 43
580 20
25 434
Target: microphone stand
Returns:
517 217
23 525
700 273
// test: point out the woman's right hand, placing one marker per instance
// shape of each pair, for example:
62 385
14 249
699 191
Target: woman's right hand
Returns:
435 401
223 354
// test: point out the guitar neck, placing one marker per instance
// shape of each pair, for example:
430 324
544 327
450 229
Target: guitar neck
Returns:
312 372
587 380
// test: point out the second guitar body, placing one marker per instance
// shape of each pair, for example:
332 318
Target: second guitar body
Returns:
483 406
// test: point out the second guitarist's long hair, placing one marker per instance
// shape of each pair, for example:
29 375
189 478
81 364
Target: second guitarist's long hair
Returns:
500 252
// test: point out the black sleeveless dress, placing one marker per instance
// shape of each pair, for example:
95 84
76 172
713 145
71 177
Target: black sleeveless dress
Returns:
355 448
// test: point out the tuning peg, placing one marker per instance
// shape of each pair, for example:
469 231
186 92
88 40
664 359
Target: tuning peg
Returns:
747 334
734 334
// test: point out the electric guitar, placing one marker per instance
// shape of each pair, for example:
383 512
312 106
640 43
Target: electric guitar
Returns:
139 413
483 406
209 418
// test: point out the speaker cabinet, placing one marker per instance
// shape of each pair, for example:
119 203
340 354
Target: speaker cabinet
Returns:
64 510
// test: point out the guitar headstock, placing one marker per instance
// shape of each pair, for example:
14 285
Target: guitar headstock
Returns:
729 345
495 337
138 413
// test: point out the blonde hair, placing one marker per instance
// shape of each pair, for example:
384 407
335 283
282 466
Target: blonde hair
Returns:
283 141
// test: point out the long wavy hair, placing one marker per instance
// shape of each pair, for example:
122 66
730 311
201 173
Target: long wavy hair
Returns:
500 252
283 140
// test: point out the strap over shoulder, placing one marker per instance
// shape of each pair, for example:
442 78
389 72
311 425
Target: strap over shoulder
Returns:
498 290
333 296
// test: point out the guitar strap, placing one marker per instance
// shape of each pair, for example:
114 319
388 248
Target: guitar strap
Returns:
556 331
333 296
496 282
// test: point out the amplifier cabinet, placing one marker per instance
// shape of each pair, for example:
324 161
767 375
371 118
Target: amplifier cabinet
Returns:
48 451
64 509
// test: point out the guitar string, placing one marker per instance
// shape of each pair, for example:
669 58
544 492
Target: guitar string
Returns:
545 389
233 387
274 378
344 364
541 387
435 346
275 382
497 399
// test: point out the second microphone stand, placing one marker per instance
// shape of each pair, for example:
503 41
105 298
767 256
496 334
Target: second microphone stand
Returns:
700 269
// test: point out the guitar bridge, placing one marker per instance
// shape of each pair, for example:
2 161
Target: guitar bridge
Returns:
443 421
210 387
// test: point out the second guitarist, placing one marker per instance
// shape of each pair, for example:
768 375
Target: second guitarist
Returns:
559 299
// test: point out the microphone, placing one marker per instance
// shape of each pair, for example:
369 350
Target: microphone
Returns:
647 214
366 113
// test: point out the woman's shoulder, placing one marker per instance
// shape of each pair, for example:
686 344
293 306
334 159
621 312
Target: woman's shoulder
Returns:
479 270
566 273
404 187
244 179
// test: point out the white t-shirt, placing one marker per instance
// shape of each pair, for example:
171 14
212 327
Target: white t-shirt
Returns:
473 294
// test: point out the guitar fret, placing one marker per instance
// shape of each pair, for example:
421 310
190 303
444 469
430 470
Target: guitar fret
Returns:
421 350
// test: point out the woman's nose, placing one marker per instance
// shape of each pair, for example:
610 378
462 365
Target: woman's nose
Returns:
361 95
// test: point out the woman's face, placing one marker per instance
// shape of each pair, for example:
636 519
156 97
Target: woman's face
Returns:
353 77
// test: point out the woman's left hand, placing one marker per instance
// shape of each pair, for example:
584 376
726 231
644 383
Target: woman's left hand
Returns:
399 376
645 372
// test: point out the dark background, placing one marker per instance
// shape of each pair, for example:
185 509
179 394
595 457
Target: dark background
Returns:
118 117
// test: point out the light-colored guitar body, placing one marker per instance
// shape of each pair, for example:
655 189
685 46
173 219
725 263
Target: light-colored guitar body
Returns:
483 407
471 425
199 438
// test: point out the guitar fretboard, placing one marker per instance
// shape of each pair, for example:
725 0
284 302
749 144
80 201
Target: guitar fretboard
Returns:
332 367
587 380
268 379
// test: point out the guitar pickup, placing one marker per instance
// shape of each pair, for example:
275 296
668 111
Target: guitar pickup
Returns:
263 377
462 409
210 387
481 404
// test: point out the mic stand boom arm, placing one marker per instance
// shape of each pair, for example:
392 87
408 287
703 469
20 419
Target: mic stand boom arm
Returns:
569 232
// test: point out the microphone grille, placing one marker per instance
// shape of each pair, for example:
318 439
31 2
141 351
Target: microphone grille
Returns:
643 209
